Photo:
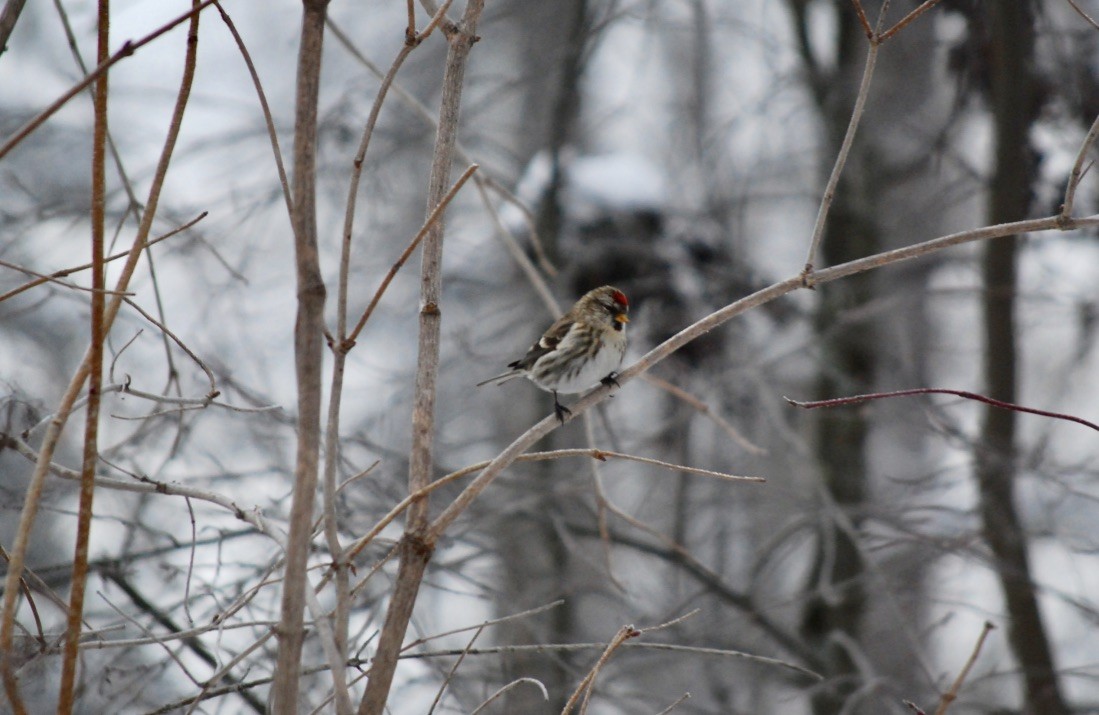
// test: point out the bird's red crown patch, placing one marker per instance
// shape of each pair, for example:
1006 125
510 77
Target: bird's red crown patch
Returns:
620 298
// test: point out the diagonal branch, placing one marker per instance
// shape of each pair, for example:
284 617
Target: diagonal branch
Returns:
128 48
503 460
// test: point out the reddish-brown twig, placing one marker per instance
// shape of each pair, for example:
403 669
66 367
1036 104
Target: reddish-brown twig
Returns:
904 21
856 399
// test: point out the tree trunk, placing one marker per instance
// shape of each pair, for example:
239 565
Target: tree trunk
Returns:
1014 109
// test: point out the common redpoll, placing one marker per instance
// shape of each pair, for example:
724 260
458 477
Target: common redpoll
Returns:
583 348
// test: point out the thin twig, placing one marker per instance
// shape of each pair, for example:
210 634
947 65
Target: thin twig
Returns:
485 624
951 695
1083 14
702 407
85 266
175 339
432 219
156 639
857 399
207 401
43 278
863 20
190 564
509 686
904 21
1078 169
599 454
528 219
541 288
602 503
574 647
454 668
584 688
128 48
414 550
677 703
841 161
33 494
268 119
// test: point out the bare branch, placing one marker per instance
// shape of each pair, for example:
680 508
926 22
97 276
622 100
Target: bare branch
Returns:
433 218
415 550
863 20
857 399
268 120
66 690
951 695
10 15
309 359
904 21
704 409
509 686
76 384
128 48
584 688
83 267
1083 14
719 317
682 698
1078 169
841 161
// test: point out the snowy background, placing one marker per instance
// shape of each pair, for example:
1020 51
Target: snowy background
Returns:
693 139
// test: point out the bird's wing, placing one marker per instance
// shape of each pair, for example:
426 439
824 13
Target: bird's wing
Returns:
547 343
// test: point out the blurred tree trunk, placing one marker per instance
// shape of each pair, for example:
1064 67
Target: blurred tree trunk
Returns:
884 180
1015 109
848 360
847 364
536 564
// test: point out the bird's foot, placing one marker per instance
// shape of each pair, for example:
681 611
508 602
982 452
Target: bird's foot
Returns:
611 379
560 410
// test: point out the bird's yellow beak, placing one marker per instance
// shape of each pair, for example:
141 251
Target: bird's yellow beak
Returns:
621 318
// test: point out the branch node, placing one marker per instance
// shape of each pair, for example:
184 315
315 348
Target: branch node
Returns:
420 544
807 277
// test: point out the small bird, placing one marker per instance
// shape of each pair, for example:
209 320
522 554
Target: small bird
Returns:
582 348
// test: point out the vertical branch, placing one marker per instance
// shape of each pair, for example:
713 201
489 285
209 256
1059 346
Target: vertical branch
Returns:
416 547
68 400
342 343
308 353
95 378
